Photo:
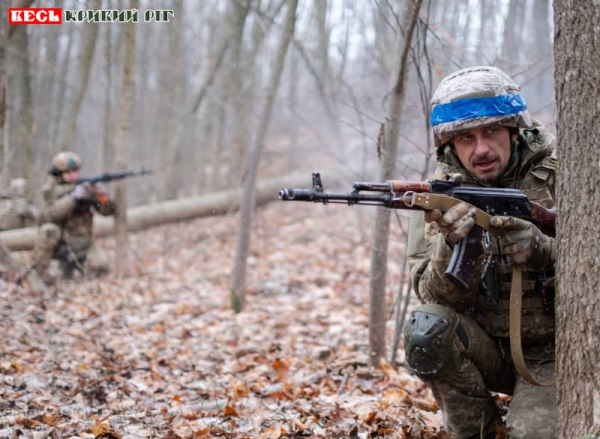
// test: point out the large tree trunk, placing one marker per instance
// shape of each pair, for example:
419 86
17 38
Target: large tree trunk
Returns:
381 232
121 147
577 57
238 293
24 94
150 215
3 95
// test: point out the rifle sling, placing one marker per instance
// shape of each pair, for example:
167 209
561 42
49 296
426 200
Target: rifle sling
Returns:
516 295
444 203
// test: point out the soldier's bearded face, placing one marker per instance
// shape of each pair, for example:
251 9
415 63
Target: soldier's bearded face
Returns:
484 152
70 177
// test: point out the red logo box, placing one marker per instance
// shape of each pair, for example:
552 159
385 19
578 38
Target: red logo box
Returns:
35 15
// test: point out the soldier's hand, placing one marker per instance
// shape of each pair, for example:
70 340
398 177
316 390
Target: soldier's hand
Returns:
101 193
83 192
455 224
100 188
524 243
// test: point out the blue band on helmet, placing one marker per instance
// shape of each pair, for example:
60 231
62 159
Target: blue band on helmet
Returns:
461 109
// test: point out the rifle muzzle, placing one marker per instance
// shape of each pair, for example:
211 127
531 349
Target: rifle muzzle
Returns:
297 194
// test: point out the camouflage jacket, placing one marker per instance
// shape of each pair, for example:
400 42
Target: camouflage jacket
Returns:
532 170
75 218
16 212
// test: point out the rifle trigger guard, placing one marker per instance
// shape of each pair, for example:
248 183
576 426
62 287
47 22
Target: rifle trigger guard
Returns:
408 195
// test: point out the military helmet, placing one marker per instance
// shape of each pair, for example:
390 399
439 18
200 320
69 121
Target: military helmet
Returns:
65 161
475 97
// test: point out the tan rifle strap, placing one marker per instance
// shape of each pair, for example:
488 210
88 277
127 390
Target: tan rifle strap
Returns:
516 349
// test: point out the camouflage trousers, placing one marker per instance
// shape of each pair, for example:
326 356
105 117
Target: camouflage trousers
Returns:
468 365
50 240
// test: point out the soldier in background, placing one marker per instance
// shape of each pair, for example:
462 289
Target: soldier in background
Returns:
66 222
15 210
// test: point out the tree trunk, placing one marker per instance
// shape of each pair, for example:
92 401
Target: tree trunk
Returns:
3 89
121 147
381 232
238 293
90 37
577 56
62 91
24 94
236 78
509 40
106 154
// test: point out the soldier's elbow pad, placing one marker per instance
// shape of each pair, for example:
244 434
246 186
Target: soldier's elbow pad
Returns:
429 344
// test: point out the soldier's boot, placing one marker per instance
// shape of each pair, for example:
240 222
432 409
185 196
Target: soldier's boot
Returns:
533 409
46 240
36 282
96 263
461 364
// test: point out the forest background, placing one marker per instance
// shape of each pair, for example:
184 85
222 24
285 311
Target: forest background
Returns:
190 99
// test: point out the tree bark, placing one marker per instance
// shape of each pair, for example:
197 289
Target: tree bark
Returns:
24 93
577 56
238 293
3 95
90 37
381 232
105 156
121 147
62 91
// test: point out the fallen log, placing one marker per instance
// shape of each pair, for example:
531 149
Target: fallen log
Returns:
150 215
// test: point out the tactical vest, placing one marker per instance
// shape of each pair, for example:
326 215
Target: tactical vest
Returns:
538 318
535 178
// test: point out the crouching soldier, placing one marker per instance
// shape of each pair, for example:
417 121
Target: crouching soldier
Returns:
66 222
458 340
15 210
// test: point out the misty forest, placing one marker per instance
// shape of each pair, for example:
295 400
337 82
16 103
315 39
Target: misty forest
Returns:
227 312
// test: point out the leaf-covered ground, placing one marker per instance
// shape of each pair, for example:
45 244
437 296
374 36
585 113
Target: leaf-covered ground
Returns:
161 354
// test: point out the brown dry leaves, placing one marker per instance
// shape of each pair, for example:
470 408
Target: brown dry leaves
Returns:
161 354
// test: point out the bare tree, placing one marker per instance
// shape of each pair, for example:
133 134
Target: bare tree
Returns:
106 149
577 56
381 232
238 292
121 146
24 95
90 37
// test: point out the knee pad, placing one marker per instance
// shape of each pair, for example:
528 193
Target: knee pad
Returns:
429 339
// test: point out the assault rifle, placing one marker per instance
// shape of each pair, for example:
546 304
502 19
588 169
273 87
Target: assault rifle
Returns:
110 176
442 195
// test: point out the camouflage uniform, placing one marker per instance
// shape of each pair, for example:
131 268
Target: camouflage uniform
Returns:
66 227
15 210
457 342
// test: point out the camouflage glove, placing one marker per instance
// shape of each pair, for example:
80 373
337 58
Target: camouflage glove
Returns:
524 243
101 192
83 192
455 224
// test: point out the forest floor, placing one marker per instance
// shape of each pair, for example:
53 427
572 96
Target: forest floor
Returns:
161 354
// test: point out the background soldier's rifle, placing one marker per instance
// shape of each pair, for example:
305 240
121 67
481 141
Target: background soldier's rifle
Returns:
110 176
